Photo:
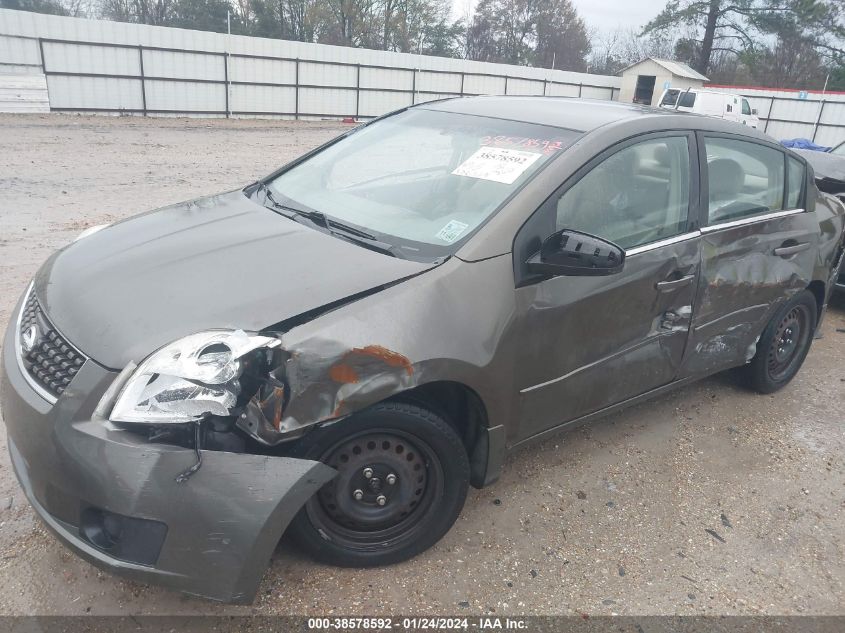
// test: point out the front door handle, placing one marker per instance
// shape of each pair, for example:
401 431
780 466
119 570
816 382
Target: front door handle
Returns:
674 284
789 251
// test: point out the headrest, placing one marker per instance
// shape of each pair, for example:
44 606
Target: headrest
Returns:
726 177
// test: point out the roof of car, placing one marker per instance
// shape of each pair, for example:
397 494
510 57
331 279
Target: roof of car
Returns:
579 115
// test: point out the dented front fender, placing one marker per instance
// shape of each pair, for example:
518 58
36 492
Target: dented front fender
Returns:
387 343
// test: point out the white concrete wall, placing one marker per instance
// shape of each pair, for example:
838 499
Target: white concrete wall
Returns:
260 76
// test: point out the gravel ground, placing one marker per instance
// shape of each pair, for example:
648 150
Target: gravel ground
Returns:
711 500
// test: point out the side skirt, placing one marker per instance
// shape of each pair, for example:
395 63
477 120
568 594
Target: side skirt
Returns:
586 419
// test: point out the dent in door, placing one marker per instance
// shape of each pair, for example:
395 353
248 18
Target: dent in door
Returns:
591 342
742 284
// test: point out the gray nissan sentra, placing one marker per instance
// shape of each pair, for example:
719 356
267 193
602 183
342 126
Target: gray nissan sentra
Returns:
339 350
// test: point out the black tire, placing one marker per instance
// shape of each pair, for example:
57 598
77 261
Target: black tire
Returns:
431 477
784 344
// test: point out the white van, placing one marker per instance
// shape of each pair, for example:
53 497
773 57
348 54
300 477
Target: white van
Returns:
723 105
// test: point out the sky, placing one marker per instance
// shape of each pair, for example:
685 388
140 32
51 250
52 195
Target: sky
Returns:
601 15
606 15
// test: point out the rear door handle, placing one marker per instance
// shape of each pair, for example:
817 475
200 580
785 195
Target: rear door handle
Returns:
787 251
674 284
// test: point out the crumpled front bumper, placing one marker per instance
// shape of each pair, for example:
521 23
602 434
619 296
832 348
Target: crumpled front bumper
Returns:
211 535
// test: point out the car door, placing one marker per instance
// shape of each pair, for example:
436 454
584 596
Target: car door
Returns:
748 117
590 342
758 246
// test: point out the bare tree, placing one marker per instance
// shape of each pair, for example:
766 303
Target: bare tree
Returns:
613 51
528 32
737 26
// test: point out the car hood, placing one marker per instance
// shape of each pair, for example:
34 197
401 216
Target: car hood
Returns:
217 262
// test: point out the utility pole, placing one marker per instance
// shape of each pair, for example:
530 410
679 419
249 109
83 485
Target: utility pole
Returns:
821 107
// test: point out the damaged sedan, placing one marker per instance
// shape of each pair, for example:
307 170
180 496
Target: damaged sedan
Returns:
338 351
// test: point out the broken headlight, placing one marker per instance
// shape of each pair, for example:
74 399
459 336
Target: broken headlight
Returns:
188 379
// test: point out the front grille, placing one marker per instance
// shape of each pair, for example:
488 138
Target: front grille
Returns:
46 356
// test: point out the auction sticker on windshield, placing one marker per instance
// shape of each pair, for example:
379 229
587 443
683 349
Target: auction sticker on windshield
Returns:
497 164
452 231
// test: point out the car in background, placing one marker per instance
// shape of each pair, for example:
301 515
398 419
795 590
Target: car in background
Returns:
343 347
723 105
829 171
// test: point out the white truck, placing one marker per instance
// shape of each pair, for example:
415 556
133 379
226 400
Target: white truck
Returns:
724 105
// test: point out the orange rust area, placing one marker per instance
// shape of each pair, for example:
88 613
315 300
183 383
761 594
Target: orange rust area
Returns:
277 399
343 374
389 357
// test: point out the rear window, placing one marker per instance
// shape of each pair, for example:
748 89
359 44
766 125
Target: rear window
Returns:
745 179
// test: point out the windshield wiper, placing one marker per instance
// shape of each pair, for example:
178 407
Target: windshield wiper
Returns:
343 231
363 239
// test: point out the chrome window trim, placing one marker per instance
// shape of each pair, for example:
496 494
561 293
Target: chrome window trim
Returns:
683 237
750 220
49 397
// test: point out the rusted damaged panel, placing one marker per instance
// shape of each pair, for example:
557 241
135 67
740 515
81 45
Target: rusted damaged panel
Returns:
332 366
330 376
345 370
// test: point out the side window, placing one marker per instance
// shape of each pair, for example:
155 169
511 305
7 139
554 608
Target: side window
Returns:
797 181
638 195
687 100
744 179
746 109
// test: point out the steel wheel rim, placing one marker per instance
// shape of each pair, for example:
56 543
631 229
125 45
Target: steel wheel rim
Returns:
789 340
362 524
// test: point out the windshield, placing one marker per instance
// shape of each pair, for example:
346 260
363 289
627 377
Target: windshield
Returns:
670 98
422 180
687 100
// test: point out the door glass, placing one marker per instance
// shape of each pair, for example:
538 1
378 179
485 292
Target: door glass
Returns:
797 178
745 179
746 109
687 100
638 195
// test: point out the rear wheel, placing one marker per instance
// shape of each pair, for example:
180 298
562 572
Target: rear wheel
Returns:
784 344
403 475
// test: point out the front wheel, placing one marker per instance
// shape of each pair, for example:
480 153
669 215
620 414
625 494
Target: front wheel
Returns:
402 479
784 344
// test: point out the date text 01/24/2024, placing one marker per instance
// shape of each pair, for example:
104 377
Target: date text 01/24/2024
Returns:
416 623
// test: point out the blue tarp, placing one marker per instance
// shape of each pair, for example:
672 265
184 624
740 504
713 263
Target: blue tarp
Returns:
804 143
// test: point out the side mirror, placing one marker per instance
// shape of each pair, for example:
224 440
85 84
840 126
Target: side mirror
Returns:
573 253
754 111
